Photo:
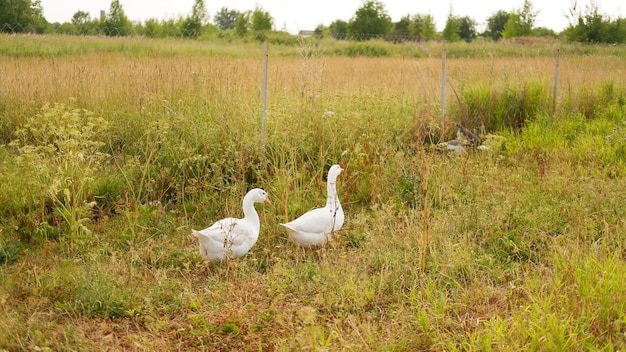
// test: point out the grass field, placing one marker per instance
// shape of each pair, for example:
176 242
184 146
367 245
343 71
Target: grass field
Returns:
111 150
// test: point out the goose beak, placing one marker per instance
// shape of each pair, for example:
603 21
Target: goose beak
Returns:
267 201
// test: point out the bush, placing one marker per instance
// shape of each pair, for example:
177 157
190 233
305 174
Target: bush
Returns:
364 49
58 155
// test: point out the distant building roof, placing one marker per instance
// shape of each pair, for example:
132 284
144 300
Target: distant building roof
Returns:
305 33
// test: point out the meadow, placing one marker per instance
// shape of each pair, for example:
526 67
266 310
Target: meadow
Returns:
112 149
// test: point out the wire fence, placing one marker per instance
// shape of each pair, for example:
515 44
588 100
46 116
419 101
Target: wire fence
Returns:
442 97
173 31
145 30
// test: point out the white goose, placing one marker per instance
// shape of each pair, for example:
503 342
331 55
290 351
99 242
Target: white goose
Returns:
317 226
230 237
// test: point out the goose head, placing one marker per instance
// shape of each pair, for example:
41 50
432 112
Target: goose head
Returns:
257 195
333 172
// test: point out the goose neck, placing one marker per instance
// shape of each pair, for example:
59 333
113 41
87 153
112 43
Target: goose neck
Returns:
331 189
249 211
332 198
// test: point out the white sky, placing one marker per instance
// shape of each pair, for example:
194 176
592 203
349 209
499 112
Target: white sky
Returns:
306 15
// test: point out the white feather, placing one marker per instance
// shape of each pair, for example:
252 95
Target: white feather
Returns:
317 226
231 237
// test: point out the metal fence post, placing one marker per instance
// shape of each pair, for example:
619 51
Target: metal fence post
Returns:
443 88
264 93
556 80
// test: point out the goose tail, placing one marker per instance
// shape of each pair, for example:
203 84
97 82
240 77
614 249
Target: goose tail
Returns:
196 233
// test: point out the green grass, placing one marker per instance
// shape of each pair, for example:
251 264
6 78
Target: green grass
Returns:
282 45
522 247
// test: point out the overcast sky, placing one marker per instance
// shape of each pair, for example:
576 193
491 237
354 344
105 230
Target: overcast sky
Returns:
306 15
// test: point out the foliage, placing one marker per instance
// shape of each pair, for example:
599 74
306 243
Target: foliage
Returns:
543 32
452 30
226 18
242 24
367 50
496 23
22 16
223 43
320 30
520 22
503 106
594 27
467 29
18 16
423 27
420 27
370 20
80 18
9 252
83 24
161 28
116 23
192 25
339 29
261 20
402 28
258 24
280 38
59 156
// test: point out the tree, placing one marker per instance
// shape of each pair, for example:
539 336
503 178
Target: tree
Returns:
319 31
116 23
423 27
80 18
192 26
593 27
82 22
520 22
467 29
370 20
527 16
241 25
171 27
226 18
544 32
152 29
261 20
495 24
452 30
22 16
401 29
338 29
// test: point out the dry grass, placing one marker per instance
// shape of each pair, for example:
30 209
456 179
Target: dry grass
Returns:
108 83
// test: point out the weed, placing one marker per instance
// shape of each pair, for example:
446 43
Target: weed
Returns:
59 155
10 252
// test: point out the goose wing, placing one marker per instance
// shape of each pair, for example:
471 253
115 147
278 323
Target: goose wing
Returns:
235 231
318 220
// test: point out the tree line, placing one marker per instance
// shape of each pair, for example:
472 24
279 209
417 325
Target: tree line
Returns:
371 20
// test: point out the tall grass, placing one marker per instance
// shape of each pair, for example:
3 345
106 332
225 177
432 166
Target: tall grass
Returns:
28 45
520 247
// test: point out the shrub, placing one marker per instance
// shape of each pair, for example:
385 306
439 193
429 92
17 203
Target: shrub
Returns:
364 49
57 154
